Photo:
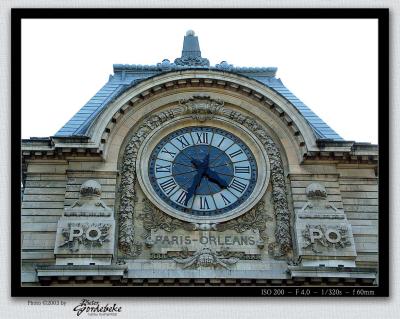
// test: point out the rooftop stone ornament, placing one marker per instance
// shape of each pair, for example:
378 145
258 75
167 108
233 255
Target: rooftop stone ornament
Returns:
316 191
89 202
90 188
191 54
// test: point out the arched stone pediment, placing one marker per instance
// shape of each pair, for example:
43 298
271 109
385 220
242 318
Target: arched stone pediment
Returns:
238 93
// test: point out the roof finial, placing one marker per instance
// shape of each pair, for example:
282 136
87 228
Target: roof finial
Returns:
191 54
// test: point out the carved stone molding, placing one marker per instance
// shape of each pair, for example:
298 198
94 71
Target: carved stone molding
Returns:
207 107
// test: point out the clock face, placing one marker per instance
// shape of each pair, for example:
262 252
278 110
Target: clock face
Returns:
202 171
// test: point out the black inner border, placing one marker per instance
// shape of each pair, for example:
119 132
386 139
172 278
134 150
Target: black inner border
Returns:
383 117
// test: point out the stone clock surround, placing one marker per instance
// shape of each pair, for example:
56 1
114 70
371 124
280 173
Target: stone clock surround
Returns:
217 121
129 173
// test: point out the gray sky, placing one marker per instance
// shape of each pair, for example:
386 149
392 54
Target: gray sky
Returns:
331 65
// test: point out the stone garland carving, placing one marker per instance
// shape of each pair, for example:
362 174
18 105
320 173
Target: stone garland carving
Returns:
96 239
256 218
155 219
128 178
279 194
204 258
340 242
126 241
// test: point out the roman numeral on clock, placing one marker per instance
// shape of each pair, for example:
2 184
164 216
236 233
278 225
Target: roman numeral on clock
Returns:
238 185
163 169
222 140
182 198
204 203
242 169
168 186
236 153
172 154
202 138
226 200
184 142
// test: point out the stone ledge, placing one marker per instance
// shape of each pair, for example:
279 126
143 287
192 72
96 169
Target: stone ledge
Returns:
332 272
48 271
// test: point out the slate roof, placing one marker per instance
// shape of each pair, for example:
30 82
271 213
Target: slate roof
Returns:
125 76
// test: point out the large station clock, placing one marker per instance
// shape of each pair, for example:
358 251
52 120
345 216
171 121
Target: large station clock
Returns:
203 173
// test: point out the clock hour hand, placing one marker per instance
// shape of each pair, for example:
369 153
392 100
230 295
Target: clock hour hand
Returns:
214 177
196 163
201 167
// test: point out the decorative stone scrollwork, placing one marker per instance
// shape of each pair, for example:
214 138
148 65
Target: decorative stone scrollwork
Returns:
201 108
154 219
204 258
256 218
192 61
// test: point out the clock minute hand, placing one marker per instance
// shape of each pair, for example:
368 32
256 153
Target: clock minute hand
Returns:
214 177
193 186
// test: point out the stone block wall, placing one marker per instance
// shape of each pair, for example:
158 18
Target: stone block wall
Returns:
360 203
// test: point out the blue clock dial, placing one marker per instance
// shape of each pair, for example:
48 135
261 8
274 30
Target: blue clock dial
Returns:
202 171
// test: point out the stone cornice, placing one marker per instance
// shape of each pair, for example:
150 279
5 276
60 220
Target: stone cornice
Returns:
166 66
294 122
344 152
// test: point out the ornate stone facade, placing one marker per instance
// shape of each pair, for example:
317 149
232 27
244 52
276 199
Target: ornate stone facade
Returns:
313 214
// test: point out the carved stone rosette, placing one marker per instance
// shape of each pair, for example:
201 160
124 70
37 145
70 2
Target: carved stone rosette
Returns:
201 108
